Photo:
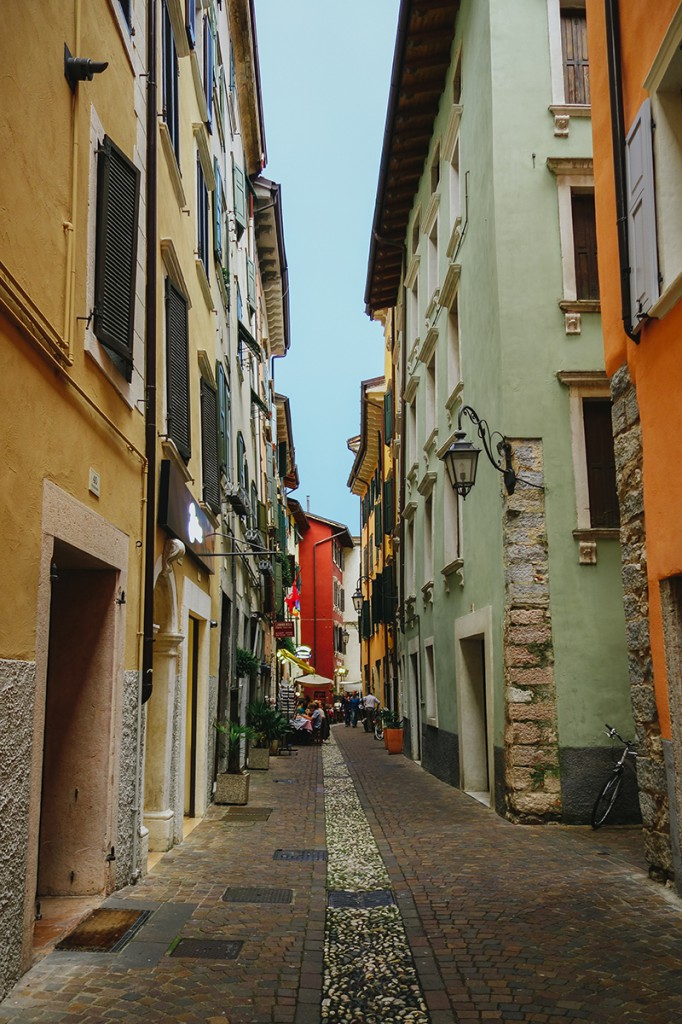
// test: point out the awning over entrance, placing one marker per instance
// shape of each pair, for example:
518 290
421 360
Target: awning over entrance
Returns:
285 655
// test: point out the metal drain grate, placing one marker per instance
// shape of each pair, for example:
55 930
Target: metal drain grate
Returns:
105 930
287 782
208 949
361 900
299 855
257 895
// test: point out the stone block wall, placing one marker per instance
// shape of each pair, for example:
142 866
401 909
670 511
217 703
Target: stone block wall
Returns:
531 769
651 772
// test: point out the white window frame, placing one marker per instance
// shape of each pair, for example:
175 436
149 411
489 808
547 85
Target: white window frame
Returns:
572 175
430 692
663 84
581 385
559 108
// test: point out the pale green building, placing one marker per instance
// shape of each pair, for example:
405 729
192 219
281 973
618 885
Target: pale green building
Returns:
510 619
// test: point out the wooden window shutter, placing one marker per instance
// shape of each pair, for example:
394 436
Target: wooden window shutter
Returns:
223 413
202 215
239 183
171 104
190 22
282 459
641 204
209 46
240 459
388 591
585 245
601 468
378 524
209 445
389 493
251 283
262 517
365 623
218 215
118 197
177 370
388 416
576 63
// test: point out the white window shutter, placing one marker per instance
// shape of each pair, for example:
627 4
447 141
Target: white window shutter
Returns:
639 166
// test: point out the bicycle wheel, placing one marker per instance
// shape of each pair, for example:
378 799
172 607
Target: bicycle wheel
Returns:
606 799
378 730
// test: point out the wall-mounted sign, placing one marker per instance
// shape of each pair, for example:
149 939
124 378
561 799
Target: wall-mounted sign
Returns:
181 514
283 629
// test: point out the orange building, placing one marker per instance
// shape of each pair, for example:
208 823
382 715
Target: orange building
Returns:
636 78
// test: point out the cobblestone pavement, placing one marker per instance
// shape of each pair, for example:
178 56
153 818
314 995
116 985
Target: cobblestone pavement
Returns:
516 923
504 922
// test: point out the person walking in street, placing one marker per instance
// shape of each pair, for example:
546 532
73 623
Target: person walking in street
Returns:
371 704
355 704
346 709
317 716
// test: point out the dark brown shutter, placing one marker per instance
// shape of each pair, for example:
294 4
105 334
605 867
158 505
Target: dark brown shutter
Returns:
209 445
177 370
576 64
585 245
601 469
118 194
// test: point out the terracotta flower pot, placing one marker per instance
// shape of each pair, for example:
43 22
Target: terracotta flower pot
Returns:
393 740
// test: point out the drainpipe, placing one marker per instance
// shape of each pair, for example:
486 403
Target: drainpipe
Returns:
150 356
618 137
325 540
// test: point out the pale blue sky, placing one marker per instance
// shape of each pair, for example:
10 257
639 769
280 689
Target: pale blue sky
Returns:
325 71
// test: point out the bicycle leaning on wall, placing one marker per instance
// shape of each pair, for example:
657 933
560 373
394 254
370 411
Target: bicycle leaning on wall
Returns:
609 794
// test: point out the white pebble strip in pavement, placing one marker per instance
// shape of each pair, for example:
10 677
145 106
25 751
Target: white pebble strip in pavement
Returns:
369 974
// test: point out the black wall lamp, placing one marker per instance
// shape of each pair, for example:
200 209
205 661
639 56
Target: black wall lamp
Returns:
81 69
461 458
357 597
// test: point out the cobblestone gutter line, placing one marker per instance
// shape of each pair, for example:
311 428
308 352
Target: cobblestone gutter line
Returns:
369 974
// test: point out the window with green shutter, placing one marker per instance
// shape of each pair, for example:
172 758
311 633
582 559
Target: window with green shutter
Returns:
239 184
251 283
118 197
378 525
223 419
365 621
241 458
389 501
209 445
202 216
218 215
171 102
388 416
209 60
177 370
190 22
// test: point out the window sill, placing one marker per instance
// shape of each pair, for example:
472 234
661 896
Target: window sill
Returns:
172 164
204 282
587 542
427 592
454 395
665 302
170 451
430 443
199 86
452 567
580 305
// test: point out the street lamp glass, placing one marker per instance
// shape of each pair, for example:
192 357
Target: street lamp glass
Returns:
357 600
461 460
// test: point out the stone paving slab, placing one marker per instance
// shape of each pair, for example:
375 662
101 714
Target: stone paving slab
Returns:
508 922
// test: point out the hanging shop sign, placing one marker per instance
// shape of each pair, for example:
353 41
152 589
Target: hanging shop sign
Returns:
284 629
181 514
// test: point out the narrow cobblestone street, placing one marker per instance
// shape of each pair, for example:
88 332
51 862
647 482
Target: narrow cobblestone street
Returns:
495 922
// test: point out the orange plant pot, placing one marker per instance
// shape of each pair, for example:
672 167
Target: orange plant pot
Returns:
393 740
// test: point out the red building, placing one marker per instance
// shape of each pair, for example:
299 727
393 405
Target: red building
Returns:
321 556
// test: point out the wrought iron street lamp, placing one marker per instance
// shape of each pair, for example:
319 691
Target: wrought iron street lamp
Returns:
461 458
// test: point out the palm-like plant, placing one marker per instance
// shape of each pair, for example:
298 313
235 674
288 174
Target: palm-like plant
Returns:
234 733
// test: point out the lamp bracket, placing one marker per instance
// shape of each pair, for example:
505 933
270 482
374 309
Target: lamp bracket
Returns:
503 464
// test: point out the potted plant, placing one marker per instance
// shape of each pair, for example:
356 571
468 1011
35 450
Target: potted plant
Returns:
393 731
247 663
232 786
262 719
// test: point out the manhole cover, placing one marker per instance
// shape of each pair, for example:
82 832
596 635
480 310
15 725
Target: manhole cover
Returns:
299 855
104 931
208 949
248 814
361 900
257 895
287 782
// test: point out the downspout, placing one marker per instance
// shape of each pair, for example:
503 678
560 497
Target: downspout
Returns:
618 137
150 356
325 540
394 607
